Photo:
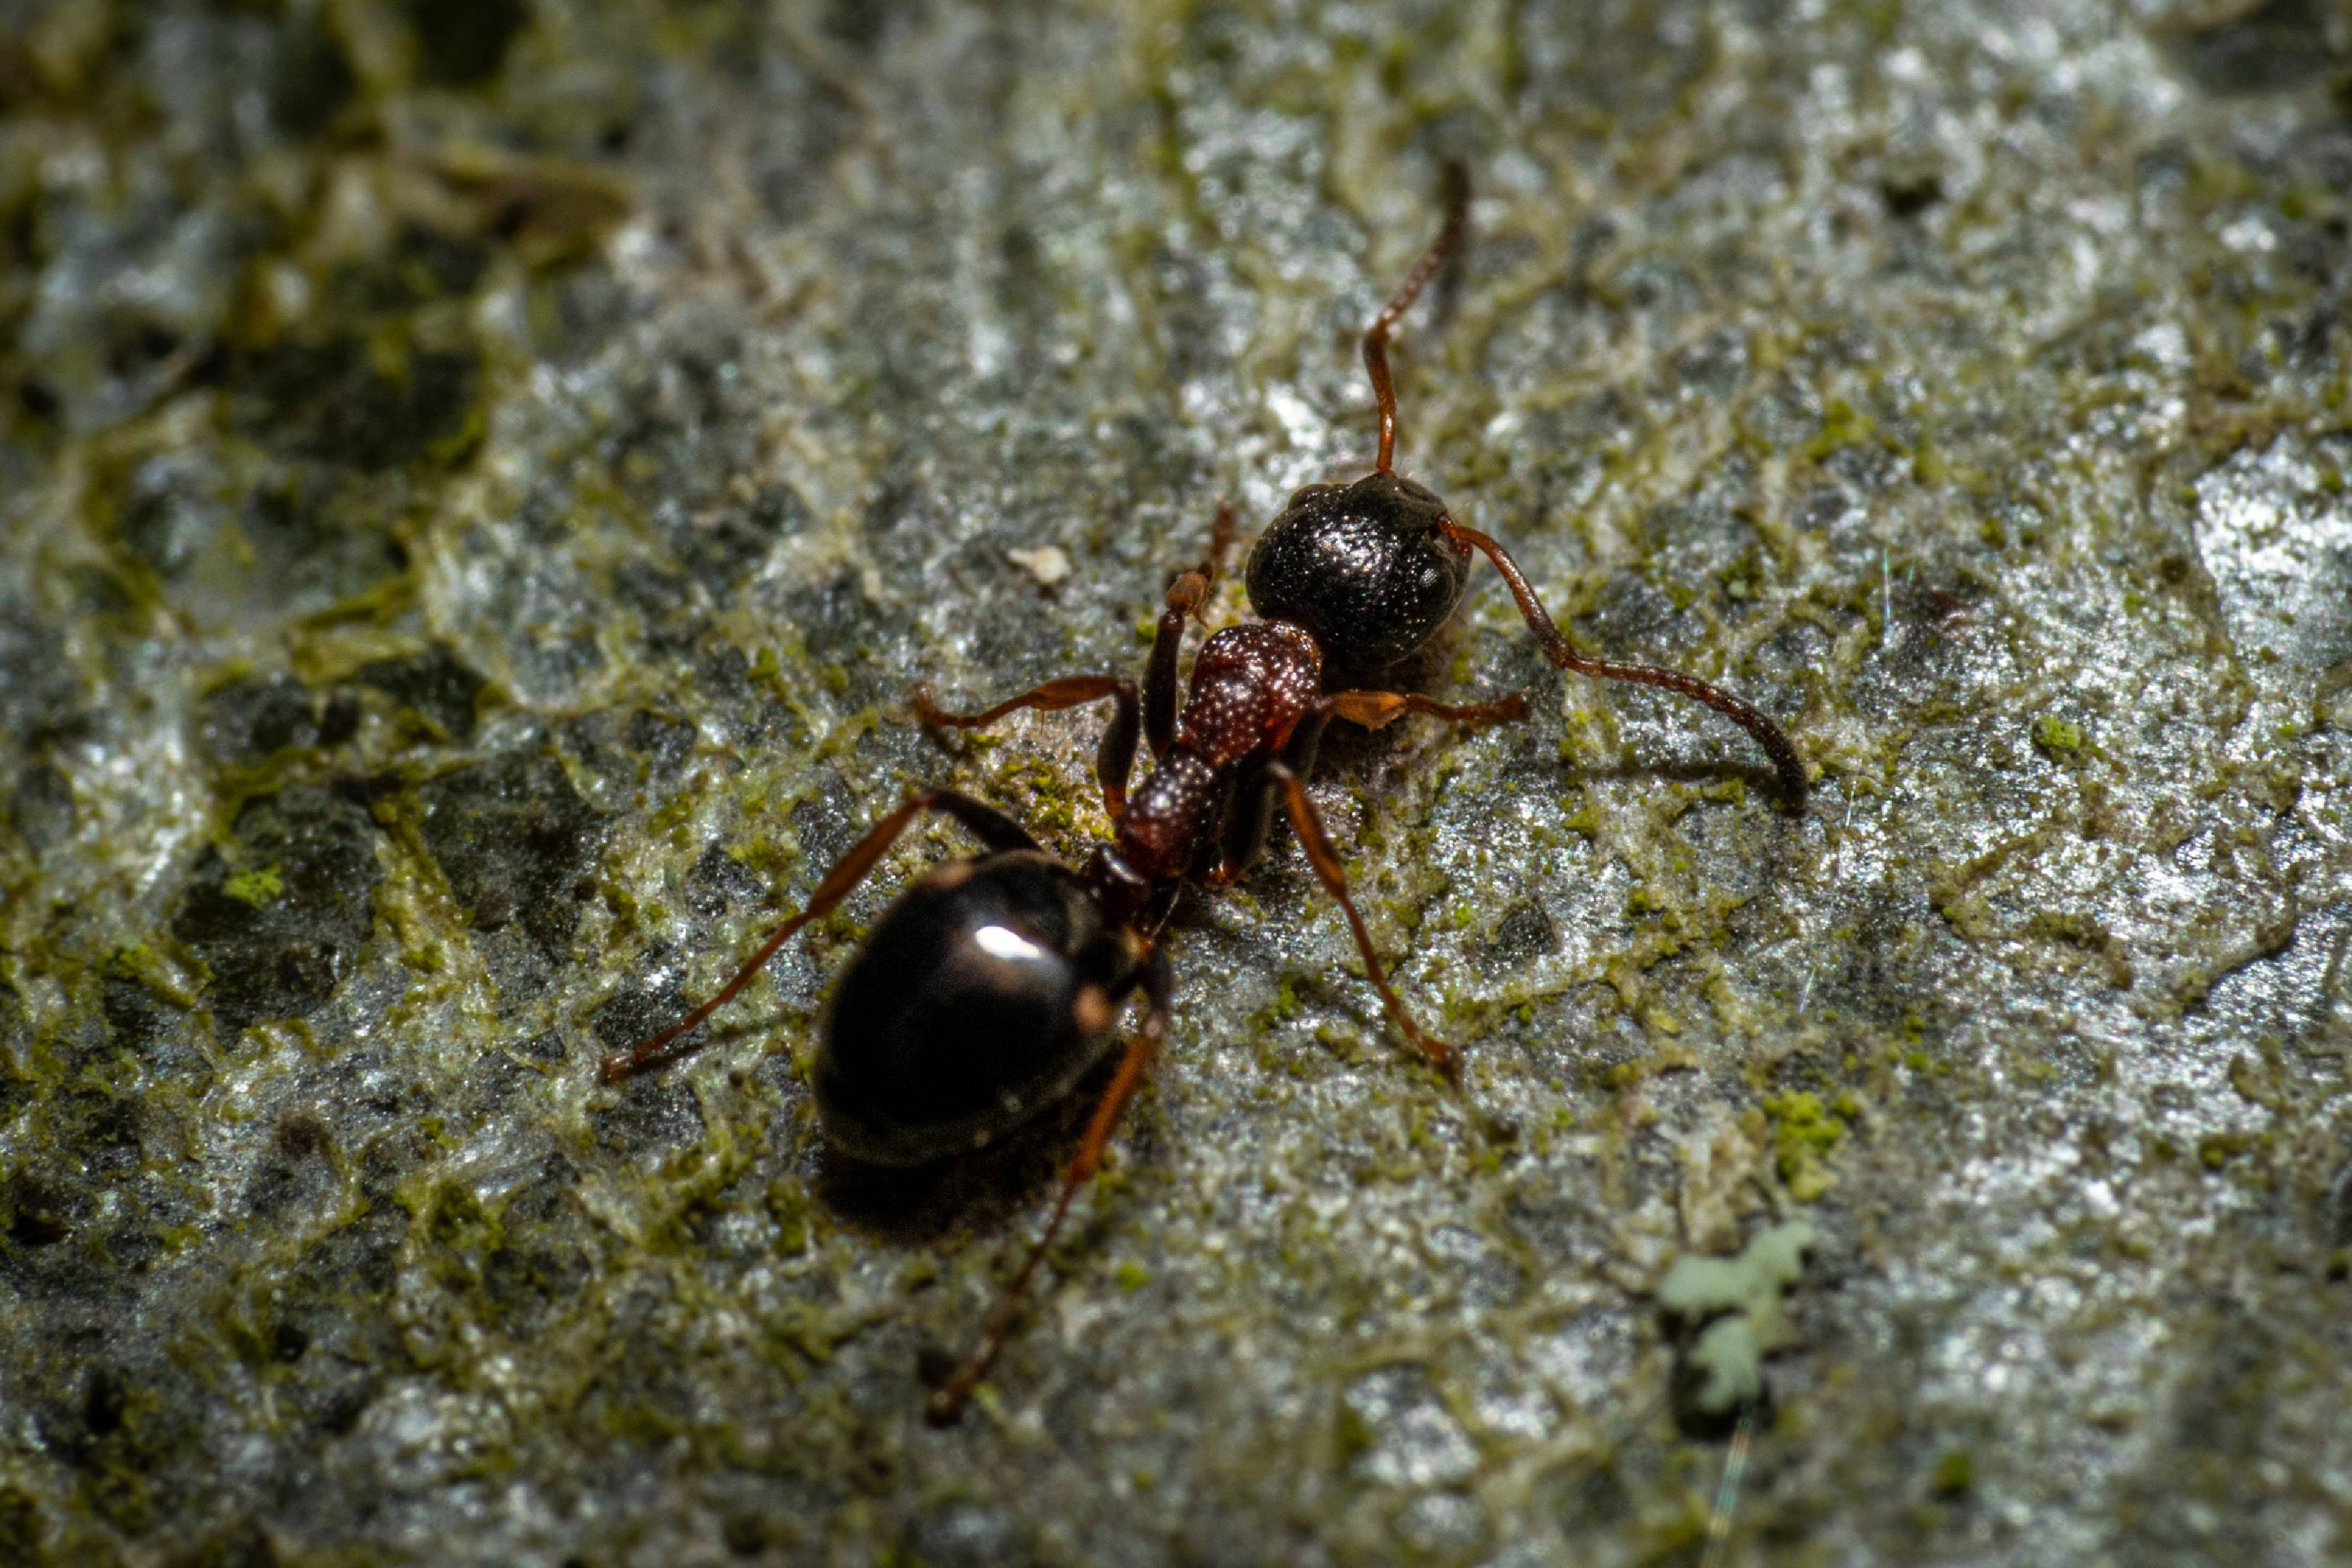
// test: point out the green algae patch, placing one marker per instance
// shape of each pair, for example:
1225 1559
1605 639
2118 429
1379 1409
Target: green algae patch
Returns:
132 961
2060 739
1843 425
1805 1131
261 886
2215 1150
788 1207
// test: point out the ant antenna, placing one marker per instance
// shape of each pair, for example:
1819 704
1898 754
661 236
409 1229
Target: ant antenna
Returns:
1454 189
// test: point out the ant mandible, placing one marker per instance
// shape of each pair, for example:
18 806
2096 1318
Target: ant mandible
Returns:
995 984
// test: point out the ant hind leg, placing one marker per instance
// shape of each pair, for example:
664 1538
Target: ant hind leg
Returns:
987 824
947 1401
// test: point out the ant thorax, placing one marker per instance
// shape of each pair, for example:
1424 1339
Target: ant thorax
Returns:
1249 685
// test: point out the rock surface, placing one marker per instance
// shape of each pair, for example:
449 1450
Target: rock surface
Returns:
477 481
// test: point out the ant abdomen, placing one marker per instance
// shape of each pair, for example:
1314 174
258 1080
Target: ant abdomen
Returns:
1364 567
980 997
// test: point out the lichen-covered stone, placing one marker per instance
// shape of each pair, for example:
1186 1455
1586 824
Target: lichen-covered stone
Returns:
251 719
334 403
515 841
434 683
479 481
279 927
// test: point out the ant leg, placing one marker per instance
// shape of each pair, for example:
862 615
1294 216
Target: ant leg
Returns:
1456 192
1374 709
1248 819
947 1402
1249 811
1185 596
1114 759
988 825
1326 861
1221 539
1785 760
1253 807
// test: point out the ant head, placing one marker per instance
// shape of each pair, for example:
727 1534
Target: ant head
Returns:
1363 567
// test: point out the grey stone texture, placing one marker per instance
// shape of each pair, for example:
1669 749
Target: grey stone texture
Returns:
478 482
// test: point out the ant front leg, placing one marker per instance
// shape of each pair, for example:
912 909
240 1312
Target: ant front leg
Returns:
987 824
1786 764
1114 759
1185 597
1376 710
1158 986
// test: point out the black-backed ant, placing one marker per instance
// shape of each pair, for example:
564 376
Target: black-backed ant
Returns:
994 984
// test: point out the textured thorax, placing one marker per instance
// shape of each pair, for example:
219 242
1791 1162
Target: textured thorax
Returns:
1250 684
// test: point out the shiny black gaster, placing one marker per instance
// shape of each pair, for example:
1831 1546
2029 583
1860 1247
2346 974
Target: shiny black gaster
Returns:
982 996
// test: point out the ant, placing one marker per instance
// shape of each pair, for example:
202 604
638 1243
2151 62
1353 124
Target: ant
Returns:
995 984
